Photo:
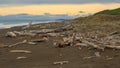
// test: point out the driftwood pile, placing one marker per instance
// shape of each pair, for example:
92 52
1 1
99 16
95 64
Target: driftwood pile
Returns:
72 39
42 32
111 41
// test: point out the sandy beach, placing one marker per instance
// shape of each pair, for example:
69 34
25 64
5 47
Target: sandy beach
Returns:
44 54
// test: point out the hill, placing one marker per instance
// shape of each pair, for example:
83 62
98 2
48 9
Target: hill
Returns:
99 18
99 23
110 12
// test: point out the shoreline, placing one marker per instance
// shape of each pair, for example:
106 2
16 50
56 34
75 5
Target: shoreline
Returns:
7 26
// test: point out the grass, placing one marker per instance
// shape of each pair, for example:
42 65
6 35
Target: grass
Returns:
110 12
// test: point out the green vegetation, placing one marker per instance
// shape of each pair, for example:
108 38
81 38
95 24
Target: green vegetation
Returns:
110 12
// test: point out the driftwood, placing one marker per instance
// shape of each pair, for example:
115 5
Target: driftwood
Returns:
40 40
20 51
24 33
53 34
93 45
97 54
10 34
81 44
32 43
43 35
21 57
60 62
114 33
42 31
112 46
24 41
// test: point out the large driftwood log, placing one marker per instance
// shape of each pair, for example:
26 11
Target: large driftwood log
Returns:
24 33
93 45
112 46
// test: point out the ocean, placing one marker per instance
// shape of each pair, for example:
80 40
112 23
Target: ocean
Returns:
9 24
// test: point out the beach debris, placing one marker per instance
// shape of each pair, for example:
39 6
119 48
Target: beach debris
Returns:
109 58
60 62
21 57
24 33
81 44
43 35
93 45
97 54
53 34
61 44
18 43
79 48
64 28
42 31
45 39
10 34
112 46
20 51
32 43
114 33
27 26
88 57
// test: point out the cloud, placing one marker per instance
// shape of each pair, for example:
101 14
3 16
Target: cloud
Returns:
56 1
70 9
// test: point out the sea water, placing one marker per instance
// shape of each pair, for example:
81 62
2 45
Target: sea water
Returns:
9 24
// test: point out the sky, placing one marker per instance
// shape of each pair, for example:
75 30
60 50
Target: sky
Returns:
71 7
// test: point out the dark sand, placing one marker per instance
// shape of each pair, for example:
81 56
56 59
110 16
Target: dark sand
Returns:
44 54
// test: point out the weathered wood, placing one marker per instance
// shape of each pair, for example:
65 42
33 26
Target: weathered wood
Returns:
18 43
112 46
40 40
93 45
10 34
24 33
21 57
60 62
20 51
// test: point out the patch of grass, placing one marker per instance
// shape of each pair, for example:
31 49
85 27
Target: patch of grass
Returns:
110 12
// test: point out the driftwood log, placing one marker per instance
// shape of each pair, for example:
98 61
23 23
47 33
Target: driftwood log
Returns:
18 43
93 45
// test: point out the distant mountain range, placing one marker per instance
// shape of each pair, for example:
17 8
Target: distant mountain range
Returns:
44 17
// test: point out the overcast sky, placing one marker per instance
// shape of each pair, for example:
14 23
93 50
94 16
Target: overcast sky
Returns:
72 7
56 1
